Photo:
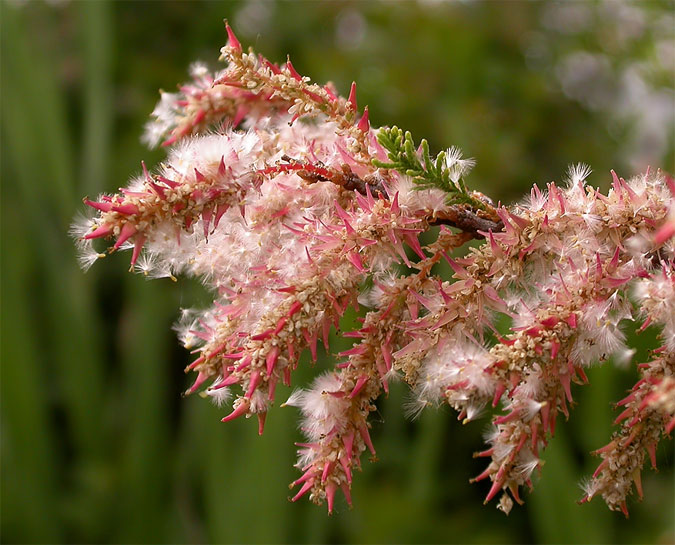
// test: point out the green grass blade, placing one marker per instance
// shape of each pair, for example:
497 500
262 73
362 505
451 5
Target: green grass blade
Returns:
146 454
44 115
96 28
71 328
555 515
28 443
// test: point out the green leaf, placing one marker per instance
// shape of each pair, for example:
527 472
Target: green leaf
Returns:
426 173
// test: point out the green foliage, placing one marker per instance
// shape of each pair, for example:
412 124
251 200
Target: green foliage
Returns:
444 172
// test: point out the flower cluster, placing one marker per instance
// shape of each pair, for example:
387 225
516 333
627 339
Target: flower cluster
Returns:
282 198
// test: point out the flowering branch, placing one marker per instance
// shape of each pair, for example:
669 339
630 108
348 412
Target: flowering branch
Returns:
292 223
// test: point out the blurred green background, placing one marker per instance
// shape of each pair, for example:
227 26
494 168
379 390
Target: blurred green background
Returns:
97 443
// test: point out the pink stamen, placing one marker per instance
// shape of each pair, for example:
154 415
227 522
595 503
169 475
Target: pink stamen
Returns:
550 321
128 230
514 492
572 320
241 409
311 339
363 430
499 391
138 246
327 468
347 493
292 70
555 347
496 487
355 260
348 441
625 414
195 363
507 417
308 474
484 475
102 206
330 496
295 307
352 97
201 377
360 383
651 449
665 233
601 467
565 380
364 123
231 38
305 488
345 467
228 381
386 355
253 384
271 360
271 387
101 231
264 335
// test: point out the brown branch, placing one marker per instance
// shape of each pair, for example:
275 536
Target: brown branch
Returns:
472 222
468 221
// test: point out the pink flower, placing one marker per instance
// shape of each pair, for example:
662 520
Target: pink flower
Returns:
289 224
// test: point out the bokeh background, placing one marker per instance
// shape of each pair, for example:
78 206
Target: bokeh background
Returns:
97 443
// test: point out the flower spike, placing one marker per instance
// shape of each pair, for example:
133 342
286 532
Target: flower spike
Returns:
291 224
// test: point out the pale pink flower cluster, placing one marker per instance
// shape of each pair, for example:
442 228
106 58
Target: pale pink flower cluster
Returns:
278 208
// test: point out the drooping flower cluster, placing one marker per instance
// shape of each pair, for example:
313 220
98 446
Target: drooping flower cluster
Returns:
291 208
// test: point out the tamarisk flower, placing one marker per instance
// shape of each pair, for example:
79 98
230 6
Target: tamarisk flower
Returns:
200 104
336 417
560 270
649 409
289 224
